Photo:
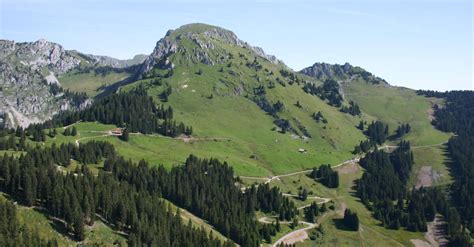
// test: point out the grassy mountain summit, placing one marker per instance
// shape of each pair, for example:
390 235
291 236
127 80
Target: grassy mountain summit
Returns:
245 106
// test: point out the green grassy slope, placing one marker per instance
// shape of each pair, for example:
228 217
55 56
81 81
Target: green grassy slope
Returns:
253 148
90 82
395 105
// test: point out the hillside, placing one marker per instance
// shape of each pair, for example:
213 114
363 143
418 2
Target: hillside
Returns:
217 83
210 140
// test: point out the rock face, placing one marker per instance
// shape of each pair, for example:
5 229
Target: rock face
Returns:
206 40
27 73
345 72
29 88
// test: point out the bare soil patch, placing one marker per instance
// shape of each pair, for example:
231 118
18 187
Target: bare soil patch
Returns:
426 176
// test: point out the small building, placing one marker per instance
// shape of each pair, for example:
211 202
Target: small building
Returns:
116 131
302 150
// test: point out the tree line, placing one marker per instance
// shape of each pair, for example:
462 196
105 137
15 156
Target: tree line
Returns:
134 110
326 175
78 198
456 116
382 189
206 187
13 233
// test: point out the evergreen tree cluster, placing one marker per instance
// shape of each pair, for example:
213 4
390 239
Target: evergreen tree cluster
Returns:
328 91
385 174
134 110
283 124
377 132
78 198
70 131
292 77
270 200
383 189
364 147
75 99
352 109
457 116
326 175
268 107
402 130
431 93
318 117
351 220
13 233
207 189
311 212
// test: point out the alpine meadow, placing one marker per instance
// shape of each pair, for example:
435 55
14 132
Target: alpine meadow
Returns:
210 141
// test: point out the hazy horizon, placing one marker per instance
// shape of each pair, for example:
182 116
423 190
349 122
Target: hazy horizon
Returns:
416 44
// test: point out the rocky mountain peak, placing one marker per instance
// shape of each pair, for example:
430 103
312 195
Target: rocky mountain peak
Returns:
204 39
344 73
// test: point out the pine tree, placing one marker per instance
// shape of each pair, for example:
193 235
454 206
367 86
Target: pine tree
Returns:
74 131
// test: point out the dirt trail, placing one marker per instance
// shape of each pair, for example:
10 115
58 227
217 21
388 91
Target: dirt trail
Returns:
436 234
296 236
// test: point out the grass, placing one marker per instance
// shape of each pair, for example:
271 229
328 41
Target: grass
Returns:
99 234
396 105
196 221
371 232
90 82
254 148
435 157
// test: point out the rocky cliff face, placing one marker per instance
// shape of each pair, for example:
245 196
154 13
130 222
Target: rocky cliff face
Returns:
29 87
343 73
206 40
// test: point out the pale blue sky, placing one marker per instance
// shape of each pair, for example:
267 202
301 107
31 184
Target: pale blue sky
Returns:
413 43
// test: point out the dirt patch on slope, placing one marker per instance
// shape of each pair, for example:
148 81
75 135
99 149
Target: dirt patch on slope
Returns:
348 169
426 177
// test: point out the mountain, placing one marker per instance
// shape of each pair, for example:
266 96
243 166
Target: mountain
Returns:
204 48
230 90
29 79
345 72
314 142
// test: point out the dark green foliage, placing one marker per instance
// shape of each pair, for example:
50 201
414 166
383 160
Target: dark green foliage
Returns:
328 91
134 110
207 189
74 131
361 125
70 131
319 117
266 106
125 135
303 194
12 233
311 212
377 132
402 130
457 117
77 198
353 109
351 220
385 174
364 147
255 64
326 175
283 124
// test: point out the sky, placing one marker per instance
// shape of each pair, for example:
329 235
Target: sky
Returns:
420 44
